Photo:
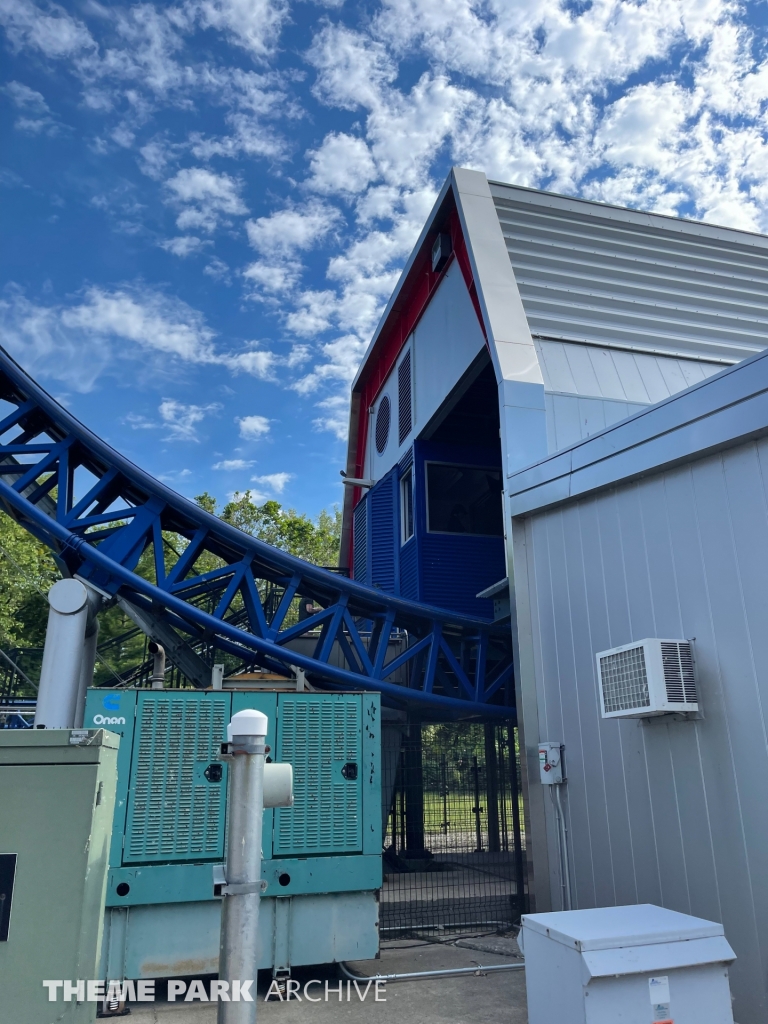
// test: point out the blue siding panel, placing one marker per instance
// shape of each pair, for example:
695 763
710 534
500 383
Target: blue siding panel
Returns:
454 569
384 564
409 570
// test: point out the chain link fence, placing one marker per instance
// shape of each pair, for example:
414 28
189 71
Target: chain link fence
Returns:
453 836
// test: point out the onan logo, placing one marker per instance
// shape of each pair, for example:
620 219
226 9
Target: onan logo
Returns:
111 702
106 720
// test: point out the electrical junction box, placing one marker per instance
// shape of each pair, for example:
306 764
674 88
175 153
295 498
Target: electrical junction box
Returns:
57 801
646 678
321 856
637 965
550 763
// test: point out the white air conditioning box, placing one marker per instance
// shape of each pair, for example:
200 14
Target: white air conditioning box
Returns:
625 965
648 677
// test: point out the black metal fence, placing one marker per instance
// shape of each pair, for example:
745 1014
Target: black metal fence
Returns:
454 842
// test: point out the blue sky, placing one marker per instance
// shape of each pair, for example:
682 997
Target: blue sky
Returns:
206 204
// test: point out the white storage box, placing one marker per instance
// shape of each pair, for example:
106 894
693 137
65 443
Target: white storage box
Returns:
633 965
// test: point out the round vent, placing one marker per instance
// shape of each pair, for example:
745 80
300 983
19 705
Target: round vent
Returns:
383 416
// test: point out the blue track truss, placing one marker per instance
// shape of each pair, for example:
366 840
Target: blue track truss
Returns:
129 536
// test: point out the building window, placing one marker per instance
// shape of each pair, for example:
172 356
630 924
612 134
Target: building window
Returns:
464 499
406 507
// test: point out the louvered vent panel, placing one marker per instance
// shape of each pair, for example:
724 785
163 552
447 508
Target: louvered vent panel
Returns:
320 737
624 680
384 532
678 672
404 418
174 812
360 541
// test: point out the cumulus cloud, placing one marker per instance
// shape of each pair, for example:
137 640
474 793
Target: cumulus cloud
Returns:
274 481
52 32
184 245
253 428
79 342
284 232
180 420
206 197
343 163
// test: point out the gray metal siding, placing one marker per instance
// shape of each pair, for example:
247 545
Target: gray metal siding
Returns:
666 812
606 276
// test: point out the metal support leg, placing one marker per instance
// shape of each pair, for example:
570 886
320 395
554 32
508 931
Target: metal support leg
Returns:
62 656
88 661
239 953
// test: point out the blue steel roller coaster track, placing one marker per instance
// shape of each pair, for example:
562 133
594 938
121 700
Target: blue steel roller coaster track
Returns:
100 514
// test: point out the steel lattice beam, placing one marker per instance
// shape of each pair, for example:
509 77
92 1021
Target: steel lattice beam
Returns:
112 530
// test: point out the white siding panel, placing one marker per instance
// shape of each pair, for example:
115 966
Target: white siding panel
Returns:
604 276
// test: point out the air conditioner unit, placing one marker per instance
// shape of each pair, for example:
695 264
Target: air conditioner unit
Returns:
645 678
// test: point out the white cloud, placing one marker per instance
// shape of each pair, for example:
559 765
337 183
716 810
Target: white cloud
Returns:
184 245
272 278
218 270
343 163
252 24
352 67
79 342
55 33
274 481
336 416
181 420
29 99
252 428
149 319
206 196
284 232
229 465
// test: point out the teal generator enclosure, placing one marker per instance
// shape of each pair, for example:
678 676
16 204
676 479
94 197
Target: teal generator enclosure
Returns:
321 857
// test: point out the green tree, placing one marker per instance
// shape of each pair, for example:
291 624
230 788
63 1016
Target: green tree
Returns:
27 571
314 540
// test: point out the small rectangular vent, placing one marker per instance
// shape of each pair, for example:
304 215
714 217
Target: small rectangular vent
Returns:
678 672
624 680
648 677
174 812
321 739
360 541
404 399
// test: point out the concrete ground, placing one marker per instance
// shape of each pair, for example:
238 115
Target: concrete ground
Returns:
495 998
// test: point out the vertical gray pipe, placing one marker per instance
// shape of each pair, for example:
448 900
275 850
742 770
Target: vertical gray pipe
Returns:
62 656
239 949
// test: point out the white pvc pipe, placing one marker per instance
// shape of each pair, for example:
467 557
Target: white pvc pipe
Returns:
62 656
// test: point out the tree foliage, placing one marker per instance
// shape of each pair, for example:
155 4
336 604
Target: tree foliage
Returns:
314 540
27 571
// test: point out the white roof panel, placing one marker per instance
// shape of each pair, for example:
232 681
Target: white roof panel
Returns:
606 276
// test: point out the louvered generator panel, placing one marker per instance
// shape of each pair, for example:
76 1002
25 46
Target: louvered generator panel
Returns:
321 736
648 677
176 811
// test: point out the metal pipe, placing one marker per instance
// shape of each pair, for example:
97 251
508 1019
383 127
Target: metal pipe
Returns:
416 975
62 655
88 661
239 947
158 666
565 870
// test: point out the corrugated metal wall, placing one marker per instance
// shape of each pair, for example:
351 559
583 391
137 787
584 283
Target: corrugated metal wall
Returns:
384 534
665 812
607 276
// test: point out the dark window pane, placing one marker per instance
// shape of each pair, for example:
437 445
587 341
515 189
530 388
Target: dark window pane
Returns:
464 499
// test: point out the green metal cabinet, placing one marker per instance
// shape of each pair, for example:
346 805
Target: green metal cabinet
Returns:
321 857
57 802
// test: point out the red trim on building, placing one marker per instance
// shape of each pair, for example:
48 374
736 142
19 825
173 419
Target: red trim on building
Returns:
414 297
